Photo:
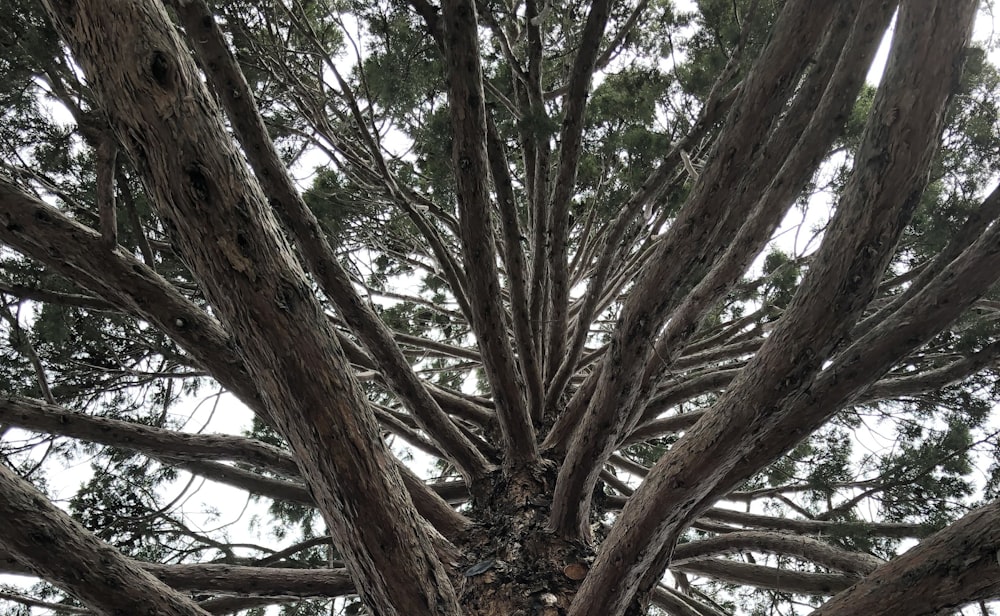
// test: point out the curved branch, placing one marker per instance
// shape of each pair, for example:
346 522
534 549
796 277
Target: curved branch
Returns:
60 550
956 566
807 548
942 300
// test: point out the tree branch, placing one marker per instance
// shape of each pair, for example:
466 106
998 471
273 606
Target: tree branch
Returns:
470 161
231 85
806 548
528 353
157 442
60 550
784 580
199 453
215 578
220 218
570 149
956 566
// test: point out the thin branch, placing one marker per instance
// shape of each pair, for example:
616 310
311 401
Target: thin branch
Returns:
107 157
598 289
785 580
516 270
52 419
58 298
570 150
30 602
27 348
199 453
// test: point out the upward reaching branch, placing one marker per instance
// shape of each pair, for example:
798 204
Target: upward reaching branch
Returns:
469 159
703 228
219 217
926 57
311 240
570 142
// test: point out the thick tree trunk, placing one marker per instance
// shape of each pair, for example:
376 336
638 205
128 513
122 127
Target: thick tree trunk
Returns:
522 546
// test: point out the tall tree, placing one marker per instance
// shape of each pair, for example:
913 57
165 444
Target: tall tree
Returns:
539 246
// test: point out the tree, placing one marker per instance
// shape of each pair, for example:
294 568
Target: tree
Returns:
529 252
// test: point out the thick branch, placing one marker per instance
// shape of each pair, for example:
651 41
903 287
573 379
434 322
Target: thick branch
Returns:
470 162
817 116
60 550
894 157
956 566
158 107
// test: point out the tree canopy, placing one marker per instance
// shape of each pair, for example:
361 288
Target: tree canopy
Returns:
686 315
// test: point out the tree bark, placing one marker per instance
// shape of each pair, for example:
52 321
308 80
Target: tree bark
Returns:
956 566
216 213
59 549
